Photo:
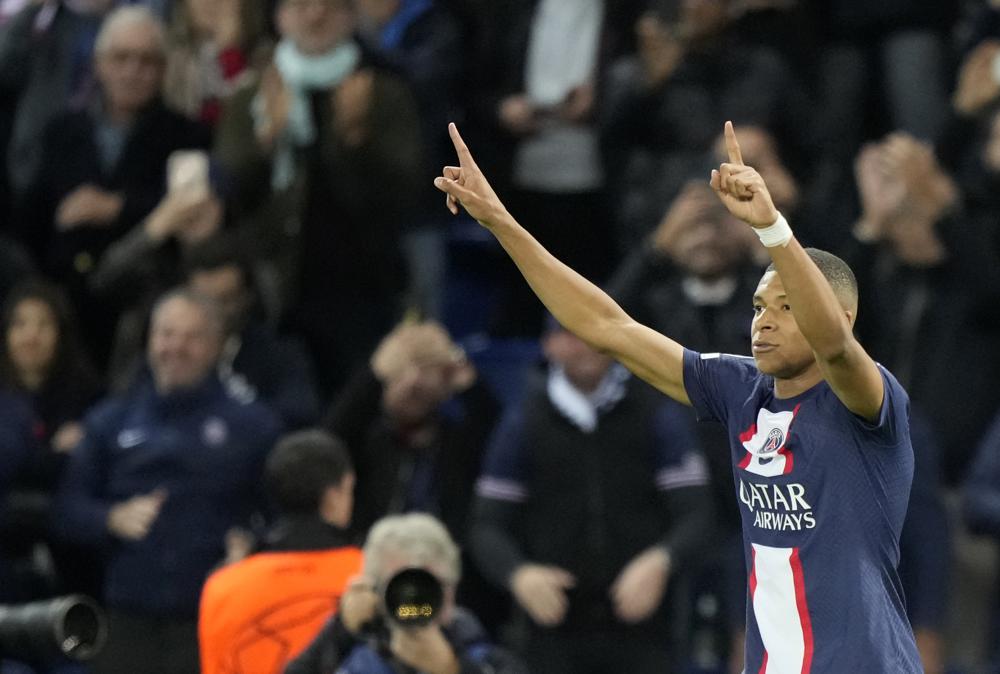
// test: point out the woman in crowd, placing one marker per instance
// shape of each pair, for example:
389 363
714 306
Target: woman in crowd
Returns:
213 46
43 363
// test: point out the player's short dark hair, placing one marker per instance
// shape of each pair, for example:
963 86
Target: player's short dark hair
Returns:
302 466
837 273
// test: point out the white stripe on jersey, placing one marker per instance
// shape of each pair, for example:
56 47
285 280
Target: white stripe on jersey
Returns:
786 636
501 490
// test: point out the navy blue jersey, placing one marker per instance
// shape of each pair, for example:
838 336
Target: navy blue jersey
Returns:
822 496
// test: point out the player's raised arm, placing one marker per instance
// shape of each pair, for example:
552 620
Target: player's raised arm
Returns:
579 305
824 319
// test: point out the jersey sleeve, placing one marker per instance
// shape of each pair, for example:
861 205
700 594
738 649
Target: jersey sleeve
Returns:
716 382
893 418
504 473
678 460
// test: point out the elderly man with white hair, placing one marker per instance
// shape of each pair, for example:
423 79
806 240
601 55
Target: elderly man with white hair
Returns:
102 168
362 639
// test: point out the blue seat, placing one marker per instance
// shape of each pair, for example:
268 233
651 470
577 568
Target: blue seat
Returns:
504 364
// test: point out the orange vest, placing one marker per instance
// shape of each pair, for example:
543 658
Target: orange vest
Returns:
260 613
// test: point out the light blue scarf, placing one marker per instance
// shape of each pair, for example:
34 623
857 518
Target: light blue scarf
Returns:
302 73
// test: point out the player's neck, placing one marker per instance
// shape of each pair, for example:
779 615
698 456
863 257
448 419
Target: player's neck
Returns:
798 383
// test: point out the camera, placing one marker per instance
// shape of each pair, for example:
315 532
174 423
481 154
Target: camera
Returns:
412 598
73 627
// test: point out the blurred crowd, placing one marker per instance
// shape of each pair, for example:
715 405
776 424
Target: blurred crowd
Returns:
240 329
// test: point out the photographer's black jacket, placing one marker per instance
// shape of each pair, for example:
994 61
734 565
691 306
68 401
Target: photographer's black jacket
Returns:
337 650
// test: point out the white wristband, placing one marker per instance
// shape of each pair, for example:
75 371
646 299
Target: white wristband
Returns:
995 68
777 234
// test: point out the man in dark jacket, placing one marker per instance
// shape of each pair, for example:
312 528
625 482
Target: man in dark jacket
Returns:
416 421
592 502
161 475
103 169
325 152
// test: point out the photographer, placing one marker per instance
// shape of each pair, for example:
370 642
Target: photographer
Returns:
362 640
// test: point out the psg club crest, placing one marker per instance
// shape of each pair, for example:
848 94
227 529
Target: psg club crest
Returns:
766 443
775 438
214 432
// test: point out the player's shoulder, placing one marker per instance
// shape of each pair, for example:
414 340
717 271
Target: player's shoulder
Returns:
892 384
742 367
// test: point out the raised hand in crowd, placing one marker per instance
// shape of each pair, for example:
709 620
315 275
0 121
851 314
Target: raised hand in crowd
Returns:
881 192
277 101
67 437
185 214
541 591
693 204
578 105
132 520
518 115
930 189
660 50
352 101
978 79
88 206
640 586
414 344
904 192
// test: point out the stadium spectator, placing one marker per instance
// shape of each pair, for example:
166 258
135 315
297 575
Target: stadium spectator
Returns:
540 80
102 169
259 613
416 420
43 361
161 475
981 510
663 105
454 642
423 41
927 266
591 507
46 68
213 48
326 154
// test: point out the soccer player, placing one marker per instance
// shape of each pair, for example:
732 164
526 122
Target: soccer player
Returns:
819 432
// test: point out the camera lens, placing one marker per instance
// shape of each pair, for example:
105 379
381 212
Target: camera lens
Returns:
413 597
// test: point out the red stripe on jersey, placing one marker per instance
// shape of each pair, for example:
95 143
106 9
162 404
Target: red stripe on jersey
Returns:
763 664
800 602
748 433
752 580
789 457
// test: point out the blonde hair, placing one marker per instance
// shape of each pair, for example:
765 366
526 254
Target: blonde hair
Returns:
419 540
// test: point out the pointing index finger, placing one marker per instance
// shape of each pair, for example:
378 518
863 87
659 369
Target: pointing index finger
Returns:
464 156
732 146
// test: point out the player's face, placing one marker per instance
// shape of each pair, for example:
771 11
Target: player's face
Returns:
778 346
